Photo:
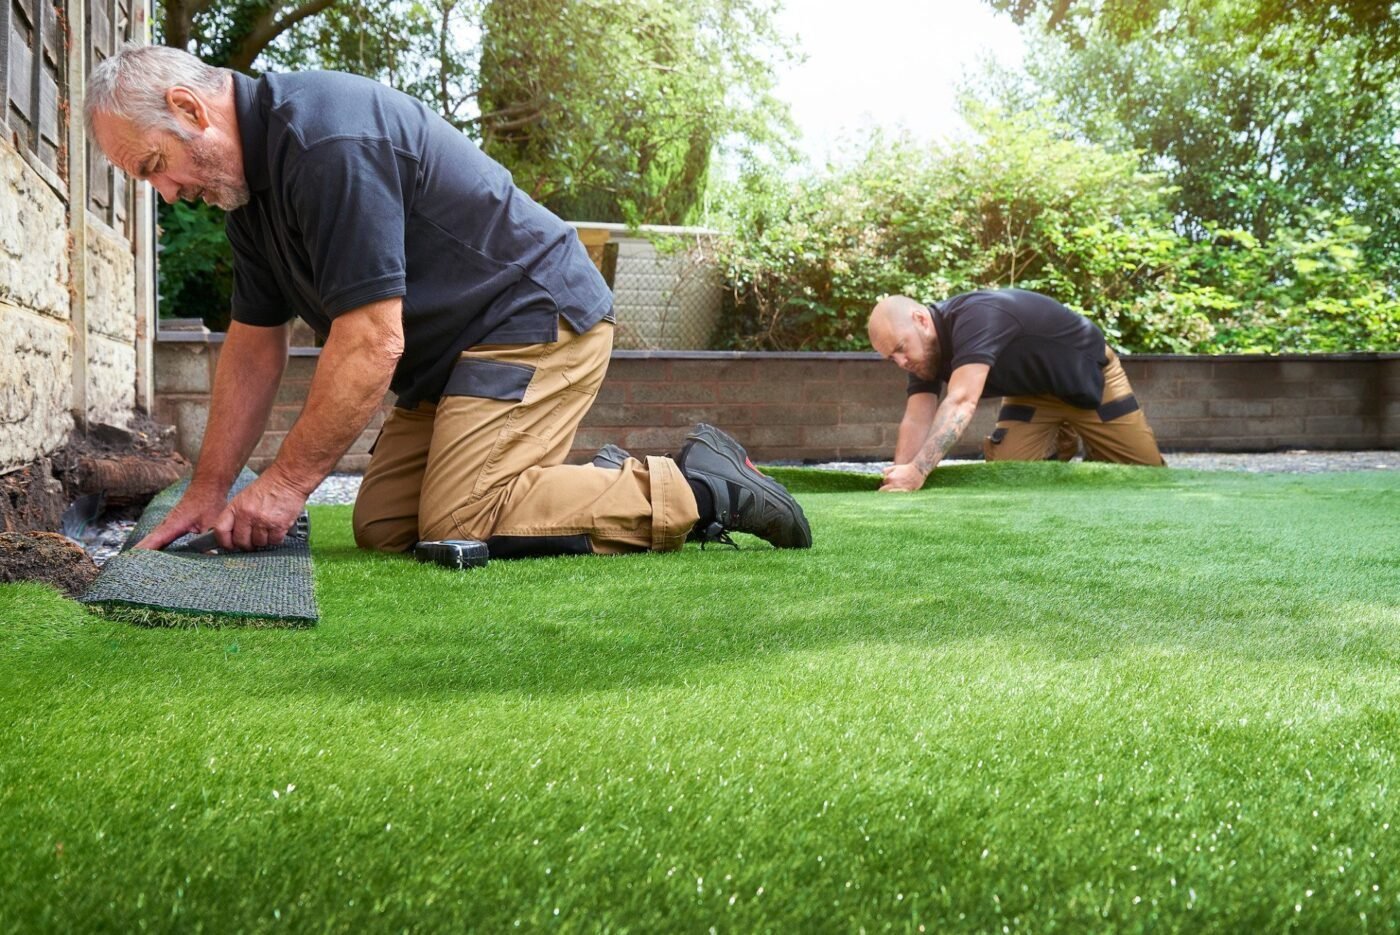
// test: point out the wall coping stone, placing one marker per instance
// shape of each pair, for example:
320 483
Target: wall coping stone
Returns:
217 337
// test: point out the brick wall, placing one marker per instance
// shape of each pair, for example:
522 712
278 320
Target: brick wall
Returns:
847 406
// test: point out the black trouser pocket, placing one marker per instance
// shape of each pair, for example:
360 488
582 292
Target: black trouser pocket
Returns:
1016 413
489 379
1118 408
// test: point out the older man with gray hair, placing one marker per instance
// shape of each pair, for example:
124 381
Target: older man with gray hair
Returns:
426 271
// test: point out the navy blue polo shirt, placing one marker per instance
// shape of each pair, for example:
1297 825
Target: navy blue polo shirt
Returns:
361 193
1032 344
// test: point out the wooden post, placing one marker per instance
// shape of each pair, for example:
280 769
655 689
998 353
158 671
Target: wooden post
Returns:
144 245
77 197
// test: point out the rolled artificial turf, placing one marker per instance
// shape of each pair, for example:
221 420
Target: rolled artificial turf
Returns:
1029 697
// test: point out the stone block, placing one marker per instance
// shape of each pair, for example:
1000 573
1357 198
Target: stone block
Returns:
36 374
652 441
857 413
1339 388
33 240
611 392
300 369
627 415
1334 427
190 418
887 393
673 392
269 445
686 416
765 436
292 392
111 287
1240 408
717 371
753 393
111 380
639 370
790 415
843 437
183 368
282 418
1174 409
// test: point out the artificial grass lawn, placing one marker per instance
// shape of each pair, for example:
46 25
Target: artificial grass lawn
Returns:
1030 697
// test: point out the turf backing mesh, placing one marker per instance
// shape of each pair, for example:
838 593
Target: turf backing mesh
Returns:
183 587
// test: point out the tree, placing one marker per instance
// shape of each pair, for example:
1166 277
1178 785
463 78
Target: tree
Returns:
1258 111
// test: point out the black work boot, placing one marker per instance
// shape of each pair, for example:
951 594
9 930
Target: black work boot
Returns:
610 456
744 499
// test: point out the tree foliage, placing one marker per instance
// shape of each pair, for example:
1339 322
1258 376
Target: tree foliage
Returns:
605 110
1030 205
1258 111
614 110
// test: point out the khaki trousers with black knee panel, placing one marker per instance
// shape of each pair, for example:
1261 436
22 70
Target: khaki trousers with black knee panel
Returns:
1039 428
486 462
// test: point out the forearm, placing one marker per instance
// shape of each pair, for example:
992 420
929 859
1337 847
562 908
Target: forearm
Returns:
245 386
912 435
951 420
348 388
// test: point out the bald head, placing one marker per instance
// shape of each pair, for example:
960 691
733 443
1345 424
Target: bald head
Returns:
901 330
894 314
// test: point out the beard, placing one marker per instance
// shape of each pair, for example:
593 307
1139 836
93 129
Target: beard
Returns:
223 189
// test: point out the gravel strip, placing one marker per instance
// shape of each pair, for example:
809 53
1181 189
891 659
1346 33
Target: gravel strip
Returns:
1273 462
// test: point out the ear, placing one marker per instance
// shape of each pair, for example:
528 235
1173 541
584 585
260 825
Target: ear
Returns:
188 107
921 319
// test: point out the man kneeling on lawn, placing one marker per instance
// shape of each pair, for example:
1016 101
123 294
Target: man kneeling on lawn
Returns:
426 271
1060 382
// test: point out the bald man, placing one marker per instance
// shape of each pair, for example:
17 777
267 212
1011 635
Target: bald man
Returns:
1059 379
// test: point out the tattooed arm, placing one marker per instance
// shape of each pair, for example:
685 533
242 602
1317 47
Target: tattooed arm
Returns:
949 423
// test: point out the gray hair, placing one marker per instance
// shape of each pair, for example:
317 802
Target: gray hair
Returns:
133 84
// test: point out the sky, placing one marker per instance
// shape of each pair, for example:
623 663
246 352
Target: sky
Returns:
886 63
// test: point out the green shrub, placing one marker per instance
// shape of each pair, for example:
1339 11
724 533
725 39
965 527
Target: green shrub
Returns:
1024 204
195 264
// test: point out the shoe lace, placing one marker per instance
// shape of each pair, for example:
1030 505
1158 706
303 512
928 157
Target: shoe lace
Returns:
714 532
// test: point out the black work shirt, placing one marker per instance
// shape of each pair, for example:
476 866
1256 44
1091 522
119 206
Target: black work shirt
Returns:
361 193
1033 345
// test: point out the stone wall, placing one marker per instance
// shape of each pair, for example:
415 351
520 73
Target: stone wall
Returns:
36 364
111 320
37 319
848 406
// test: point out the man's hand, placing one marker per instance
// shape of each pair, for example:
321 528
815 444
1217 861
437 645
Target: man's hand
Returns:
196 512
260 515
903 477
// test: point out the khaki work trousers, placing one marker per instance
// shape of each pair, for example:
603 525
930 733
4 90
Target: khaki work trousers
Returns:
486 462
1039 428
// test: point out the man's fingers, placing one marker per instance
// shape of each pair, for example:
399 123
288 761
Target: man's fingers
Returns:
163 535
